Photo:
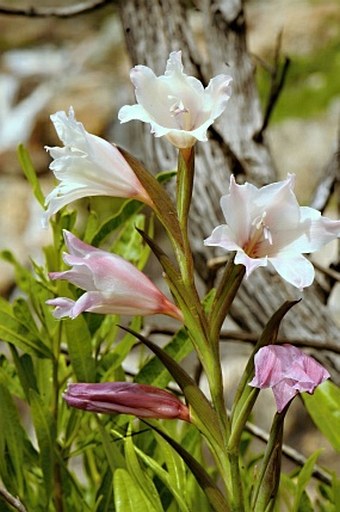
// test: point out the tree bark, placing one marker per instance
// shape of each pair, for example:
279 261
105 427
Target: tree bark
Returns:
155 28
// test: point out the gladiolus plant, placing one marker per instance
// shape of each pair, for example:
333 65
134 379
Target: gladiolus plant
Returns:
100 389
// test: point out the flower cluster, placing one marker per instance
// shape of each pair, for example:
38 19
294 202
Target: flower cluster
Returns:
263 226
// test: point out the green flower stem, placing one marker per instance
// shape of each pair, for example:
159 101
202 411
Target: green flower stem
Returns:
241 419
266 487
234 450
184 187
225 294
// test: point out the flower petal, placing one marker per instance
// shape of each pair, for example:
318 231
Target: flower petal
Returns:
222 236
176 105
251 264
63 307
87 166
296 270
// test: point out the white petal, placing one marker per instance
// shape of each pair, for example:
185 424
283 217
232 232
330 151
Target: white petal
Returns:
131 112
319 231
251 264
236 207
174 63
217 95
154 95
222 236
296 270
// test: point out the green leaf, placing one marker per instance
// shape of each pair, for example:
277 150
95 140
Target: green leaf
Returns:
174 464
30 173
154 372
128 495
163 205
324 409
212 491
139 475
104 493
165 477
25 370
201 410
11 441
114 456
111 361
14 331
80 349
128 209
336 491
129 244
45 432
303 479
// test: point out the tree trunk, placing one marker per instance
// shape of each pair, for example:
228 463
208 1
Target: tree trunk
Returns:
155 28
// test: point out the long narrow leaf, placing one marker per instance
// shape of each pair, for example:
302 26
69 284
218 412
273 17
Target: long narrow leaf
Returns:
128 496
30 173
44 429
80 349
212 491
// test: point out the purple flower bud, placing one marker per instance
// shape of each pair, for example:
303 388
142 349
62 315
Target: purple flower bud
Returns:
140 400
288 371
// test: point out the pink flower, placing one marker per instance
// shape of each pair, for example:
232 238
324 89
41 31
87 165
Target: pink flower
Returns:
176 105
288 371
140 400
112 284
267 225
86 166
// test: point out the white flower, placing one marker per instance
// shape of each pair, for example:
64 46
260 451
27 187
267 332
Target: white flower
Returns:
268 225
86 166
176 105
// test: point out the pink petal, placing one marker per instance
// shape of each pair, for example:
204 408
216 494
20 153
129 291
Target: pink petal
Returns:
63 307
283 394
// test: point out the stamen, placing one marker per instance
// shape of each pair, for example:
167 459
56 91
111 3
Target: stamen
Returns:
182 113
261 231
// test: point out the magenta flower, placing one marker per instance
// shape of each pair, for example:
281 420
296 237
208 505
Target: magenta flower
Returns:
112 284
140 400
267 225
288 371
176 105
86 166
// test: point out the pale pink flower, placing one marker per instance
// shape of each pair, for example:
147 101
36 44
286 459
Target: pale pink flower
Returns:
267 225
86 166
176 105
141 400
112 284
288 371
